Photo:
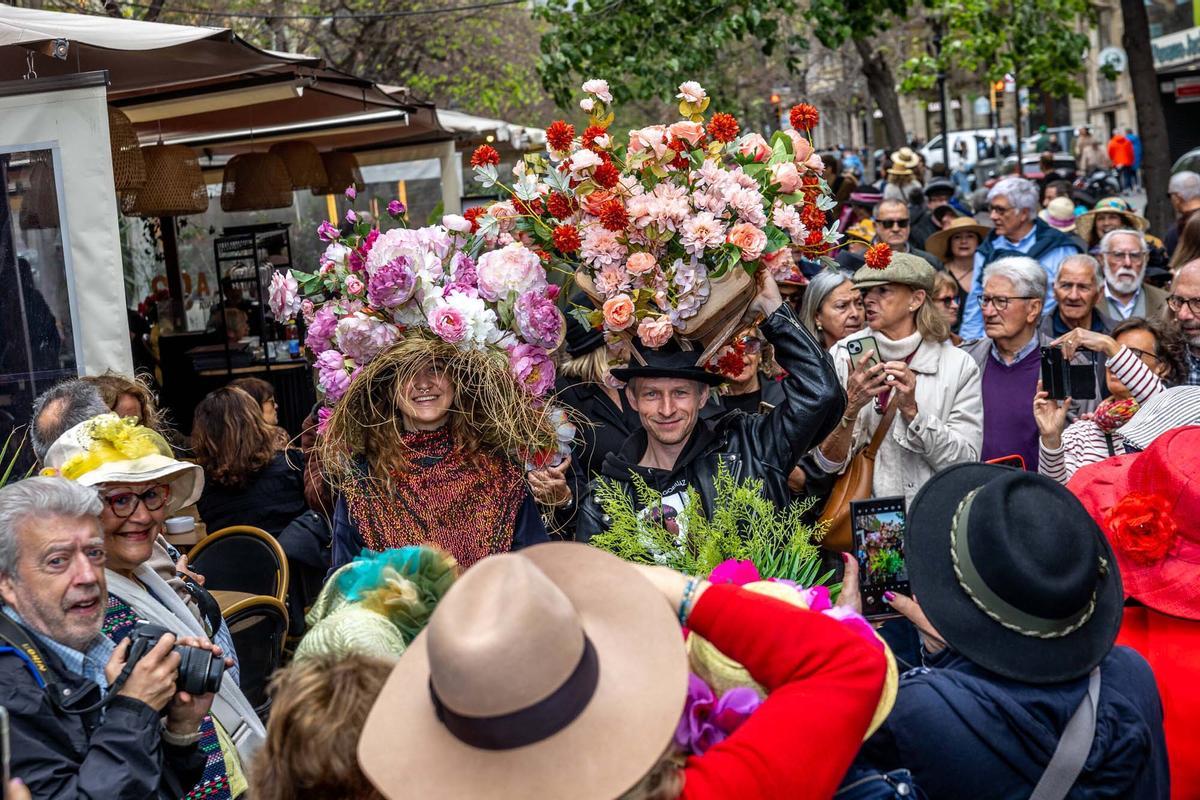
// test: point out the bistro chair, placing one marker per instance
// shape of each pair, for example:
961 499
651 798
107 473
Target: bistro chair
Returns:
258 626
242 558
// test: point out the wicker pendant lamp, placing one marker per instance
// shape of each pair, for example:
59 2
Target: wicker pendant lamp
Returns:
174 184
341 170
129 166
255 181
303 162
39 207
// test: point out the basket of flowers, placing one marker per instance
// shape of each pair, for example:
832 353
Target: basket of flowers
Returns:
664 228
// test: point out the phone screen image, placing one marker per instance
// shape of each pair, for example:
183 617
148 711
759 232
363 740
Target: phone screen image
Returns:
879 547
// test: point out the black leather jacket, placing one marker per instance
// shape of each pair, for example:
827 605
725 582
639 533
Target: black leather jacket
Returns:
761 446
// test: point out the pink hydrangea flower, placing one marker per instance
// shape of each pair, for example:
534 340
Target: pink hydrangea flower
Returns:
532 367
538 320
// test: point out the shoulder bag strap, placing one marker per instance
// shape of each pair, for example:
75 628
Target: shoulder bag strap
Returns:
885 425
1073 748
1112 447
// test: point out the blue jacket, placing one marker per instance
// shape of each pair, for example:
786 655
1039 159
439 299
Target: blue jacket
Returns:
966 732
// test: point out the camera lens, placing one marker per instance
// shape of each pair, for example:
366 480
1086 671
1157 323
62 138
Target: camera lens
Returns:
200 672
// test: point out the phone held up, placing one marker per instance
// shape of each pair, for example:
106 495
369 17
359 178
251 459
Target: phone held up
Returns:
861 346
878 526
1062 379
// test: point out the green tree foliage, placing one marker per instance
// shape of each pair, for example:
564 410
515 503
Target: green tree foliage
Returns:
645 46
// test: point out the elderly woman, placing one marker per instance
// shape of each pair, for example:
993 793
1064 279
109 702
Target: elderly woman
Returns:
140 485
1141 357
924 388
832 307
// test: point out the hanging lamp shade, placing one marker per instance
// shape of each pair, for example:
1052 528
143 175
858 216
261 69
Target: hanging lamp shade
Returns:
174 184
129 165
255 181
39 207
303 162
341 171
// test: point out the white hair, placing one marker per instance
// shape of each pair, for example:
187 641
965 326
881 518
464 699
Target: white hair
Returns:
1027 276
1186 184
36 499
1022 193
1083 258
1104 243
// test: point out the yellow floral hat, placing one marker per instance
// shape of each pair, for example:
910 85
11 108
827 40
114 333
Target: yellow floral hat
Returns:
722 673
108 449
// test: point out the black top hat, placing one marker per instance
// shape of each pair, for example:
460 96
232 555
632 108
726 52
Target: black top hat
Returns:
668 361
1013 572
581 339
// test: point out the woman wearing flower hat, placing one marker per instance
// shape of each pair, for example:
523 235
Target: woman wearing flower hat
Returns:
1146 503
603 682
141 484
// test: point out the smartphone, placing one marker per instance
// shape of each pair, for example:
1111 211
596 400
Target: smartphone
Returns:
4 751
1062 379
859 347
1016 461
878 526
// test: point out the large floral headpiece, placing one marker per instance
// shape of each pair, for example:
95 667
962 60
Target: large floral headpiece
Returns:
653 218
373 286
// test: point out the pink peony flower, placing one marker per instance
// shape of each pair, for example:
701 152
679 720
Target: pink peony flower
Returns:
447 322
707 721
653 137
354 285
739 573
754 146
692 92
284 295
584 161
599 88
321 330
331 375
618 312
538 320
655 331
327 231
749 239
392 284
362 337
786 177
511 270
456 223
640 263
532 367
690 132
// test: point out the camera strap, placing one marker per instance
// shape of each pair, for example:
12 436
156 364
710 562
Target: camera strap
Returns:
16 640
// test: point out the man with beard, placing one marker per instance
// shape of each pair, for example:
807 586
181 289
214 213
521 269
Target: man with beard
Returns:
1183 306
1124 254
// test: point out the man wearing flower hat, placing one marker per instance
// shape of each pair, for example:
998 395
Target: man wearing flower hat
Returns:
678 449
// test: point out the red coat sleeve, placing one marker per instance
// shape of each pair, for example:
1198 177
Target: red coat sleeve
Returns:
823 681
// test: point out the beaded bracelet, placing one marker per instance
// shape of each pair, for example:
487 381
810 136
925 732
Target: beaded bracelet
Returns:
685 604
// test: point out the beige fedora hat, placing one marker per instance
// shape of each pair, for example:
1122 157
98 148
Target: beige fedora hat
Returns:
939 243
556 671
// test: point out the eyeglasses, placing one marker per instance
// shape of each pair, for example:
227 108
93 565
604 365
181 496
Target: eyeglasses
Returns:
1175 303
995 209
1133 256
1143 355
752 344
1000 302
949 301
892 223
123 504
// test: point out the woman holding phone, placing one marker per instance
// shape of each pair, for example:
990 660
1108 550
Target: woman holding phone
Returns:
902 369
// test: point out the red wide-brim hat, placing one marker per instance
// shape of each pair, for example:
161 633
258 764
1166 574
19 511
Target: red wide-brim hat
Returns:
1148 505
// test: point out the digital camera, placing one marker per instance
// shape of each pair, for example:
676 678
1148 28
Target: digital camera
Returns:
200 671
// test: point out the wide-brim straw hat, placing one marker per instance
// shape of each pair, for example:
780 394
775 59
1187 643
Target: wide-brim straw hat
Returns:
939 243
1085 223
564 668
1147 503
1060 214
1013 573
722 673
108 449
905 158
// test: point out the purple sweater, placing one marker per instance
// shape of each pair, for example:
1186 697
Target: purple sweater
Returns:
1008 424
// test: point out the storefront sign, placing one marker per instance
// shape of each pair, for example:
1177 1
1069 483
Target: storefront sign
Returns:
1176 48
1187 90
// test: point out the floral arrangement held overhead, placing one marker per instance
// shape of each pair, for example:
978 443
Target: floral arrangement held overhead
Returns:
653 218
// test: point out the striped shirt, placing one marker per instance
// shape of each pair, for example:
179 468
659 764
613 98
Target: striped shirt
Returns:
1083 442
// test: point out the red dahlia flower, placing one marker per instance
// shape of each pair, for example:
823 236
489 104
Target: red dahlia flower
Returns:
812 217
560 207
472 216
606 175
723 127
566 239
590 136
878 256
560 135
613 216
804 117
485 155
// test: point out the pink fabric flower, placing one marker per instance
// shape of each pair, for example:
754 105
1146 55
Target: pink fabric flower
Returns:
351 192
652 137
284 295
739 573
323 415
817 598
787 177
327 231
701 232
395 208
393 284
599 88
331 375
321 330
447 322
692 92
584 161
708 721
351 216
655 331
857 623
512 269
307 310
690 132
354 285
618 312
754 146
801 147
640 263
749 239
532 367
456 223
601 247
362 337
538 320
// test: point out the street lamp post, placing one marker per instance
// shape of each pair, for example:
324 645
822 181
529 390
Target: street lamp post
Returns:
941 84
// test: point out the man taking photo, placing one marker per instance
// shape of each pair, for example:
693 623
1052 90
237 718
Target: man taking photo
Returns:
677 449
77 730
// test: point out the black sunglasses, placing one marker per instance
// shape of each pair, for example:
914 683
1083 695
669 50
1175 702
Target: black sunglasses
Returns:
892 223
